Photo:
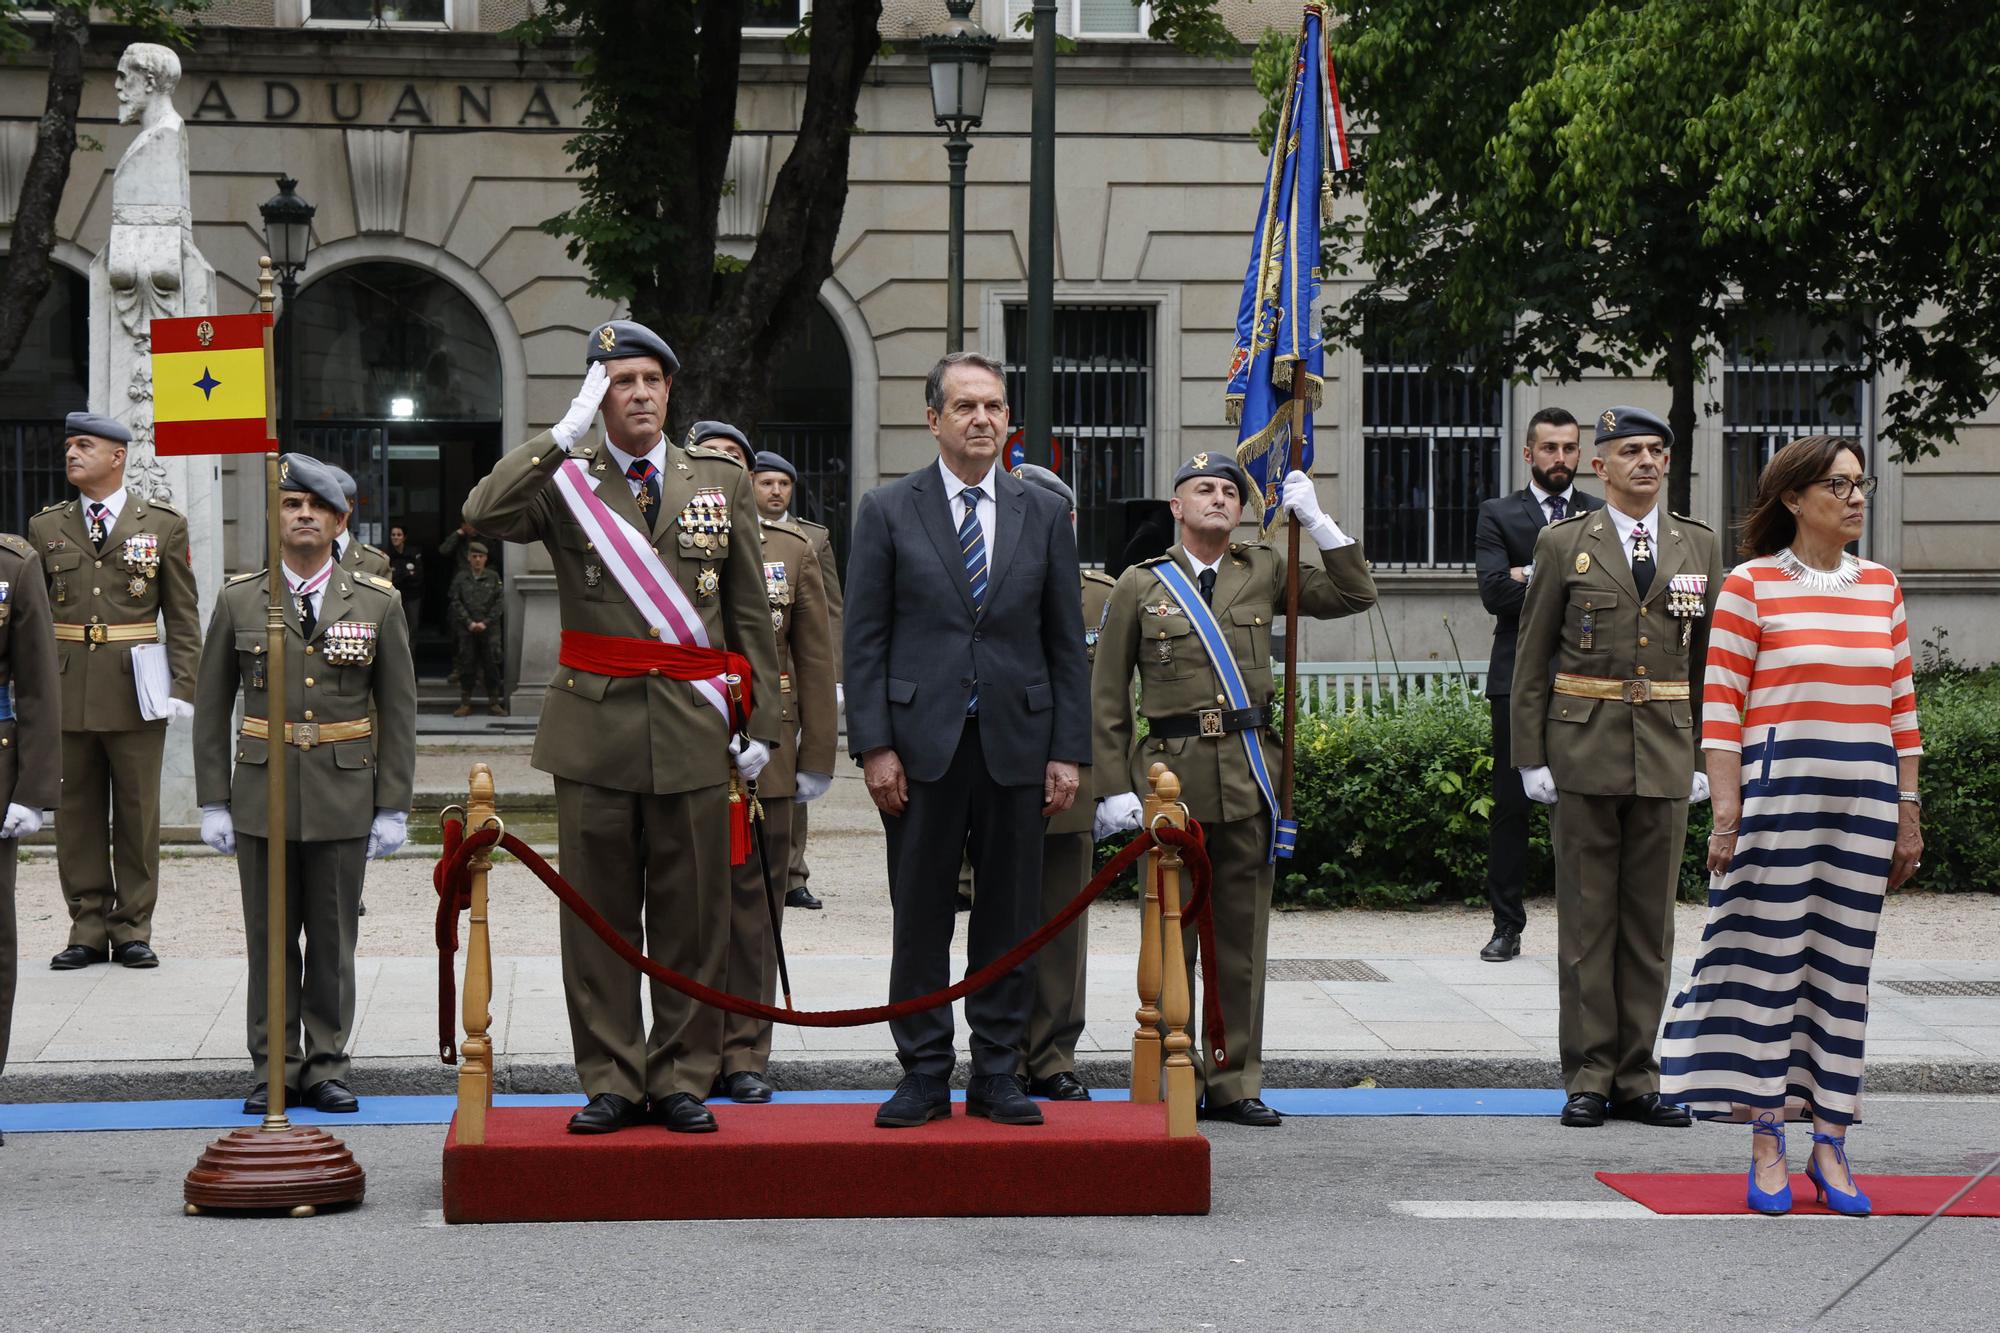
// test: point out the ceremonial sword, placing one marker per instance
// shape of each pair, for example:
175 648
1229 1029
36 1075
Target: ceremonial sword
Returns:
1940 1211
770 896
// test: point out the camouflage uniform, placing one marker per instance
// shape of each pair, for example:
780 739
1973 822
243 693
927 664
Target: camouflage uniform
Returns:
479 598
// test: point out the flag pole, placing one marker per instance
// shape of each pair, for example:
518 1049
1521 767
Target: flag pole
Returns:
1301 393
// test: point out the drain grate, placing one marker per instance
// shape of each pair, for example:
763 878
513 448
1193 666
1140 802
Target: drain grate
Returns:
1320 969
1944 987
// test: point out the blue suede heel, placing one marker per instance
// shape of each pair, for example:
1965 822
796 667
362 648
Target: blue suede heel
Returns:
1778 1201
1847 1204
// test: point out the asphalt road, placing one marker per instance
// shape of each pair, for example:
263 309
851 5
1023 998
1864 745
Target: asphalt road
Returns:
1311 1229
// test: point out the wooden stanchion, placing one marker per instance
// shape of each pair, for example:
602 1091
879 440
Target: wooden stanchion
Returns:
1146 1038
475 1072
1177 1001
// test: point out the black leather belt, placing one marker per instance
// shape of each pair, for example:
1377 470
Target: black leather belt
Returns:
1209 722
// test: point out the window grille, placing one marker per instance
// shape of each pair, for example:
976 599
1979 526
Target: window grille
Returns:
32 471
1431 443
379 13
1777 386
1082 18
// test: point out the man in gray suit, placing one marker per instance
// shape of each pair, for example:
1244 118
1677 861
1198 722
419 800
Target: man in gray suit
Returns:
968 705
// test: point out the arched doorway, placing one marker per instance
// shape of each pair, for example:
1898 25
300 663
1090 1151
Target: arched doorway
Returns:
810 422
48 379
399 382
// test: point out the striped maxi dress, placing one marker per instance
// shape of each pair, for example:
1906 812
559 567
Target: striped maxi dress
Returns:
1813 688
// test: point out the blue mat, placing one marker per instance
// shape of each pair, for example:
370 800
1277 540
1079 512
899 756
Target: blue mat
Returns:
55 1117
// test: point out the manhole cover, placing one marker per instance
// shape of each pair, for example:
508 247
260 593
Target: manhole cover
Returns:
1320 969
1944 987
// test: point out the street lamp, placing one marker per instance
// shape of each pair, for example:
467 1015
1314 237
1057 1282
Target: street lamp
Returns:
958 59
287 235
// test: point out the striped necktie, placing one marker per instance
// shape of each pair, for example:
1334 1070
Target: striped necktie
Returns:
972 546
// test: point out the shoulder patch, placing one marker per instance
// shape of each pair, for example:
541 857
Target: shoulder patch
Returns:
374 581
1694 522
721 456
245 578
375 549
1098 576
1571 518
18 545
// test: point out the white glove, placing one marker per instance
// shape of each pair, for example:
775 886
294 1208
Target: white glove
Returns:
582 408
750 757
387 833
179 710
1116 814
810 786
218 829
1540 784
1297 495
20 822
1698 792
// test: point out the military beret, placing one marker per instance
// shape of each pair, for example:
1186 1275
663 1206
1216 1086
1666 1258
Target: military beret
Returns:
1214 465
1617 423
1037 475
618 339
348 487
475 548
770 462
89 423
718 430
306 475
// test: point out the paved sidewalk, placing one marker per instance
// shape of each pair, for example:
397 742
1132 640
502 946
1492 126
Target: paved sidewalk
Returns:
109 1033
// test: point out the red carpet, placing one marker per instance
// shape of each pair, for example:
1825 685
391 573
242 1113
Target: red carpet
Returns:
1892 1196
1100 1158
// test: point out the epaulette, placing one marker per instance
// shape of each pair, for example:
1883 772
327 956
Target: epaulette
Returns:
1158 559
376 549
18 545
245 578
156 503
1686 518
1573 517
808 523
1098 576
703 451
50 509
783 525
1238 548
375 581
583 451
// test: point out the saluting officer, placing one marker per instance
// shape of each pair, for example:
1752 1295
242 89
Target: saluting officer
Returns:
30 736
118 568
1198 722
637 724
1606 711
348 551
349 742
478 604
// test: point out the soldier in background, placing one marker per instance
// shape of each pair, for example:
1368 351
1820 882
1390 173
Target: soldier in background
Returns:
348 551
478 603
30 736
118 567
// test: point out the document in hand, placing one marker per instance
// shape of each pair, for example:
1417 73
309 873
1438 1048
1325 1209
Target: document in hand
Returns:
151 679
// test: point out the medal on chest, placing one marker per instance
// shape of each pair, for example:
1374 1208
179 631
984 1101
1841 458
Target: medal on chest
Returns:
778 588
141 555
704 521
1687 600
6 602
349 643
706 584
593 575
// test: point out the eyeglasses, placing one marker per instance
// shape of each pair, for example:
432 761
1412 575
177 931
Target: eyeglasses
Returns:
1842 487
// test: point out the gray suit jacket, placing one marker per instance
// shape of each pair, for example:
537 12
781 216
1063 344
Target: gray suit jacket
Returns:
914 647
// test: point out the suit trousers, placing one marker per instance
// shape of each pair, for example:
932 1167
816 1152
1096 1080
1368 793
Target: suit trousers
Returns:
10 941
965 811
656 868
753 950
1243 877
1507 833
1618 861
1056 1022
111 780
797 872
322 903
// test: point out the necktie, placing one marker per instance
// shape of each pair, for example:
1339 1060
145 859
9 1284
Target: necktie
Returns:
1557 509
308 620
1642 560
100 527
648 477
972 546
1207 581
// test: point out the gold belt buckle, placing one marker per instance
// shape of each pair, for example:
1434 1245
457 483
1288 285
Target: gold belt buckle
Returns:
98 633
305 735
1638 691
1211 721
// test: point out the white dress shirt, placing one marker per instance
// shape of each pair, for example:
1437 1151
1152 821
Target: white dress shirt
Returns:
989 511
314 583
657 456
1624 523
114 505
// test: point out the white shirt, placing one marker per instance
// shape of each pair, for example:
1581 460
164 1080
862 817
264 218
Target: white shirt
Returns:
657 456
114 505
988 510
1543 497
1624 523
313 583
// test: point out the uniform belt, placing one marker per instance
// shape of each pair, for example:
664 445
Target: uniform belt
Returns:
1209 722
149 632
1642 690
305 735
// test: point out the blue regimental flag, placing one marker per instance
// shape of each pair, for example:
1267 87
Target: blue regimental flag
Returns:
1276 325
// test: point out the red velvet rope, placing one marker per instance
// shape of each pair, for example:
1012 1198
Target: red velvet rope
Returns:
453 880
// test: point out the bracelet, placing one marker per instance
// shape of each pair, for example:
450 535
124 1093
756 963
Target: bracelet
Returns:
1910 798
1724 832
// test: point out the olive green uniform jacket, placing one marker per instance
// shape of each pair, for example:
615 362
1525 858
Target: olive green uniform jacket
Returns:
364 559
799 620
31 742
1098 780
829 576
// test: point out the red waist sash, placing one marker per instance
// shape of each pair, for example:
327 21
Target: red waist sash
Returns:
615 655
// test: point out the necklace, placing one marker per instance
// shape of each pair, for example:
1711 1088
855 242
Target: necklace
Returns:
1820 580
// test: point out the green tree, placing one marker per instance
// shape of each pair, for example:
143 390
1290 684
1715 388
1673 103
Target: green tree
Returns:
64 26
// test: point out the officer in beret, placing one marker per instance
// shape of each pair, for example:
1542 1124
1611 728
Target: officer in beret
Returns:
1605 719
1191 727
776 482
30 735
478 603
119 575
347 551
643 758
349 745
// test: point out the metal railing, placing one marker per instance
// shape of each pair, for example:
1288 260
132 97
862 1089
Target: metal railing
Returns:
1340 687
824 493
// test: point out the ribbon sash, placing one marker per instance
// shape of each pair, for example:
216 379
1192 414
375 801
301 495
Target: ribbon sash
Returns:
1202 617
637 568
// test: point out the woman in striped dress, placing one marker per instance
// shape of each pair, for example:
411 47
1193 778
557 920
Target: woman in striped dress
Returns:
1810 732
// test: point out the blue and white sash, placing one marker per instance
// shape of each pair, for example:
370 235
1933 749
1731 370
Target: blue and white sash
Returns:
1284 832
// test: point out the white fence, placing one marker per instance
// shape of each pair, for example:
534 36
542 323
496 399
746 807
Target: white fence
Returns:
1336 687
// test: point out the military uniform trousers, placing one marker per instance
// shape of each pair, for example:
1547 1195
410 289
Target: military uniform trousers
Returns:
10 942
481 657
1618 861
797 872
1243 879
322 903
657 868
1056 1021
753 951
111 780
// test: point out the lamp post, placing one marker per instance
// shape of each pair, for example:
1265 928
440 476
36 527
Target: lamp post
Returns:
1039 407
958 58
288 235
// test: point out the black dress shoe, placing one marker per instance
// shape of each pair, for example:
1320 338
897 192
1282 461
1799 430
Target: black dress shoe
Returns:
1585 1110
135 953
259 1100
606 1113
1063 1087
1505 944
803 897
331 1095
75 956
998 1097
747 1085
918 1100
1249 1111
1648 1109
683 1113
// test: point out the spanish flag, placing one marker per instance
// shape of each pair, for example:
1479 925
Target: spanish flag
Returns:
209 385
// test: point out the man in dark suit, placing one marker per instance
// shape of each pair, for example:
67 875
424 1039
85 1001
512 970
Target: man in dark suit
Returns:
968 705
1508 527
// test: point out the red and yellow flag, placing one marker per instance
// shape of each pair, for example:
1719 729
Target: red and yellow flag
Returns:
208 385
